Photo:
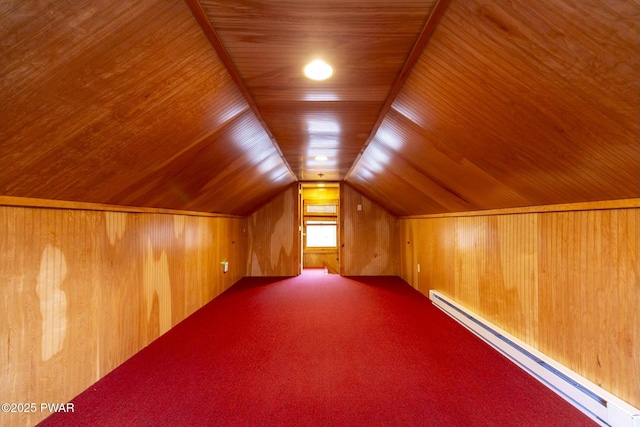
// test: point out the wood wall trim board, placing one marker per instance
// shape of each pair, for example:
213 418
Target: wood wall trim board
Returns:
28 202
565 207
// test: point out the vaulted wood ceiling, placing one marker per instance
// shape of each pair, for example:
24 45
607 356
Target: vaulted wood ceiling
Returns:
435 106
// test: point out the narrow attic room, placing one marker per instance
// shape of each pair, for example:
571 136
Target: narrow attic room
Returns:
440 228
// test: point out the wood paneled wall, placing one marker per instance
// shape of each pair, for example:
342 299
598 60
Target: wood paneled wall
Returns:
81 291
273 238
369 243
566 282
328 260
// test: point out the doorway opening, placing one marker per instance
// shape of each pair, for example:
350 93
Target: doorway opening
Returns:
320 227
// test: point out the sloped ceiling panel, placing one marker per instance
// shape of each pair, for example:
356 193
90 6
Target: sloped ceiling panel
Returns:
126 103
228 168
513 104
510 104
366 41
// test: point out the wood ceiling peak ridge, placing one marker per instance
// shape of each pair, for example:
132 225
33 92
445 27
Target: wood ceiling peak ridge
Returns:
202 19
422 41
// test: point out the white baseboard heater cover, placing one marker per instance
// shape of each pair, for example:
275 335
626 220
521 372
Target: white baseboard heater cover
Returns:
598 404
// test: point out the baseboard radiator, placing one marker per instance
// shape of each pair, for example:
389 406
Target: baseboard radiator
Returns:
600 405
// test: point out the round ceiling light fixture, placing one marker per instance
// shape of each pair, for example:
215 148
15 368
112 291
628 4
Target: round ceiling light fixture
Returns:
318 70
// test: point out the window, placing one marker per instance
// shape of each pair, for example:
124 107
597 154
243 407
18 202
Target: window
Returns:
321 209
321 233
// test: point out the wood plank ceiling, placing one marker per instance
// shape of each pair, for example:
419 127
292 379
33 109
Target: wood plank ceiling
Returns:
512 104
367 43
126 103
201 104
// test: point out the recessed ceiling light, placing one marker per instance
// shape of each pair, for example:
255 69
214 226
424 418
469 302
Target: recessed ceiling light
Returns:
321 158
318 70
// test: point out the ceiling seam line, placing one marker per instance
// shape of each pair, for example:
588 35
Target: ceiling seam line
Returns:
421 43
207 28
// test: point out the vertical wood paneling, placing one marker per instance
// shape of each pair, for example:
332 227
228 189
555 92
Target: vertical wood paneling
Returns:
327 260
434 245
369 243
82 291
273 238
495 270
518 256
470 246
233 235
566 283
407 253
120 282
592 283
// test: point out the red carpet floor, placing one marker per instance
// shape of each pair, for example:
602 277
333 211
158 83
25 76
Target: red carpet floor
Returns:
319 350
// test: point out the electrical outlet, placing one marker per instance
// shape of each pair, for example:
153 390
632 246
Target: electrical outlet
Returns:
225 266
418 268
